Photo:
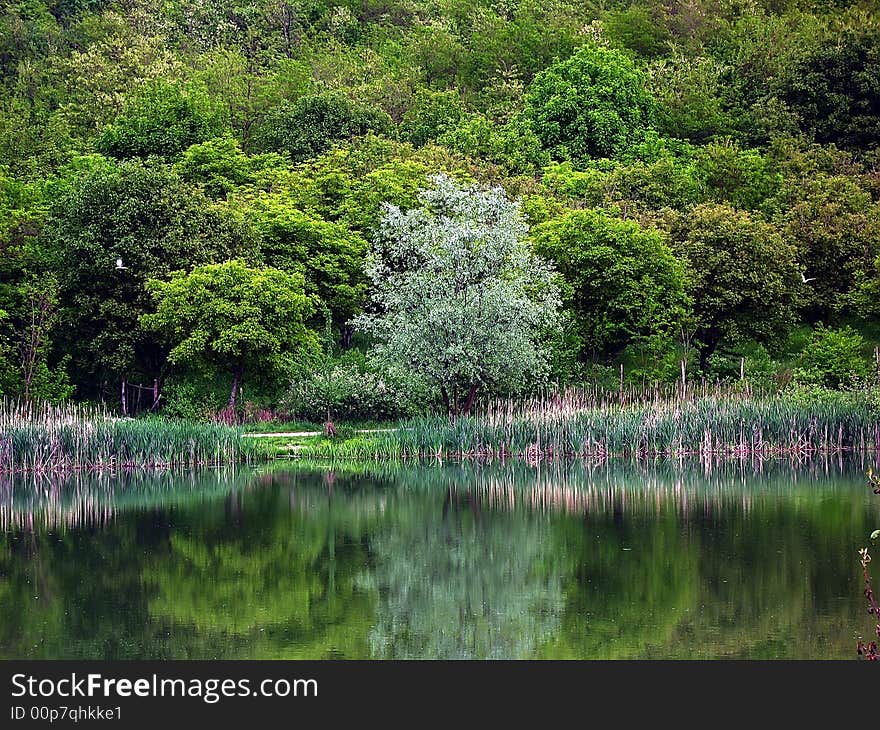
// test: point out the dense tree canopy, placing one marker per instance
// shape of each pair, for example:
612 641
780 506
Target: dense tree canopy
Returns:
835 91
743 277
141 214
310 125
705 174
593 104
329 254
163 119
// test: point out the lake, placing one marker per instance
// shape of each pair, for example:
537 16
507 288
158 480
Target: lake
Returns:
738 559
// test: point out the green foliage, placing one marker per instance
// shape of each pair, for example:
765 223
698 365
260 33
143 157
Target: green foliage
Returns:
624 283
329 255
275 133
665 178
232 316
836 226
638 29
512 146
39 314
834 89
162 119
218 165
833 358
594 104
742 178
689 98
430 115
313 123
183 398
742 277
143 214
349 390
349 183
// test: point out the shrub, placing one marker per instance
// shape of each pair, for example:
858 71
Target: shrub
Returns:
833 358
313 123
348 392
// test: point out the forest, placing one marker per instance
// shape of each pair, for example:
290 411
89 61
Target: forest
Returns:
316 209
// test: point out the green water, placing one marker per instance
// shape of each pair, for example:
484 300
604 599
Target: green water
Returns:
658 560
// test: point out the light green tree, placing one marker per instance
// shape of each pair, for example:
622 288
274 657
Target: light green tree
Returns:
329 255
594 104
233 317
459 298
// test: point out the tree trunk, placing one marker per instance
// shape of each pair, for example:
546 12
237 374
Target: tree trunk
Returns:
445 395
346 332
706 351
236 379
469 401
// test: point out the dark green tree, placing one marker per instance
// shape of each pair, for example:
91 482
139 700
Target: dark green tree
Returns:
309 126
834 88
594 104
742 276
162 119
142 215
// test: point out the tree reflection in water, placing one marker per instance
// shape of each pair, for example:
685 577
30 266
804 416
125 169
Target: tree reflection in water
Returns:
622 560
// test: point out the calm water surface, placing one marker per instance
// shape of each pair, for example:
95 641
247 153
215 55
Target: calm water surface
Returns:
657 560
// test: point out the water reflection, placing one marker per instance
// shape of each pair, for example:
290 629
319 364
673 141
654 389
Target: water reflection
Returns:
620 560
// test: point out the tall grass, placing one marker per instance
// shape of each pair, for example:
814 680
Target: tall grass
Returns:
44 438
590 425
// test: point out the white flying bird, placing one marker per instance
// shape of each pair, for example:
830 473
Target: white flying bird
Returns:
805 279
119 265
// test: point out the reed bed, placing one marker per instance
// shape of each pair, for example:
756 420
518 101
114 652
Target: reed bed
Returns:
45 438
735 424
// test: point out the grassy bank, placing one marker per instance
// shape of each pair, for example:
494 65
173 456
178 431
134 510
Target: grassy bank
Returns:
733 425
43 438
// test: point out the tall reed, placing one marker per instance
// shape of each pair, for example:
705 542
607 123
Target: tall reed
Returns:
596 425
44 438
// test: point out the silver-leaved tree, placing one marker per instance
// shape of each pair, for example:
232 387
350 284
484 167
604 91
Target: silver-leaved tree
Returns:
459 298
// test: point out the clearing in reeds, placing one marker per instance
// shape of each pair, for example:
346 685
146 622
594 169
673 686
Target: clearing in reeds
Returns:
737 424
45 438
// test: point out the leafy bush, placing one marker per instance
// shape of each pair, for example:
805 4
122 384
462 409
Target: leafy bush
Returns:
833 358
163 119
347 392
309 126
185 399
